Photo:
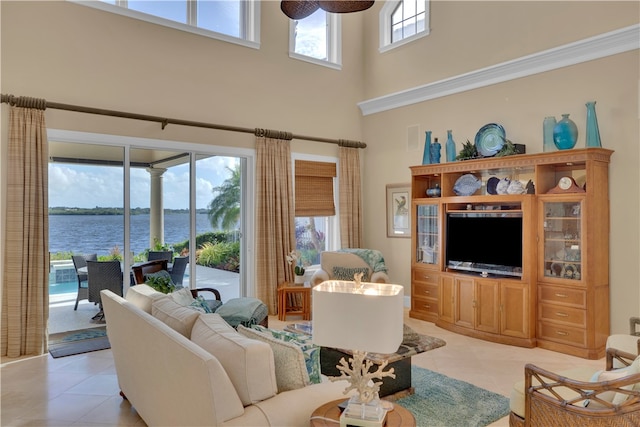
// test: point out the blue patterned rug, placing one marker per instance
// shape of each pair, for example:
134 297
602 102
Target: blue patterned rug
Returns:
440 401
78 342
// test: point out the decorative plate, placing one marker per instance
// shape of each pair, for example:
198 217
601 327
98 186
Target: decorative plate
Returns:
466 185
492 183
490 139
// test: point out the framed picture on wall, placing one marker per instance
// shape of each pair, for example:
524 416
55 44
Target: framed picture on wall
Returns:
398 210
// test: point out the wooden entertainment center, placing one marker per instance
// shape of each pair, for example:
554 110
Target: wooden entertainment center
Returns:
559 298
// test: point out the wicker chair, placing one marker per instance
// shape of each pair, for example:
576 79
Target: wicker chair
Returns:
80 261
103 275
177 271
154 255
555 400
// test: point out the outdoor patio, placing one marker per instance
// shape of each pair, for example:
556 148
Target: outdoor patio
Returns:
63 318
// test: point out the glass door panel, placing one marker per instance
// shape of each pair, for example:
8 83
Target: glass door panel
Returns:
428 235
563 239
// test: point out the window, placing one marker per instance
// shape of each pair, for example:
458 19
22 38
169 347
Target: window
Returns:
402 22
235 21
314 209
317 39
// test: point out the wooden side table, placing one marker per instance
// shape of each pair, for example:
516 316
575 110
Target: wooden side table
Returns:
294 300
328 415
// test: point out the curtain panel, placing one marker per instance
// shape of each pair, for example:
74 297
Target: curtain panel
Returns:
275 220
25 281
350 198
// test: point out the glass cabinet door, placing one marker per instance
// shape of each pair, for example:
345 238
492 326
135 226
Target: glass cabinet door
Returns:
563 240
427 232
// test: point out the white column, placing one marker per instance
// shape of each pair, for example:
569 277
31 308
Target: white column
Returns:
156 214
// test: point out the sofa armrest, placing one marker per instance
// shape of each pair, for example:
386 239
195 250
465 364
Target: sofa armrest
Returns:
623 357
544 404
380 277
319 276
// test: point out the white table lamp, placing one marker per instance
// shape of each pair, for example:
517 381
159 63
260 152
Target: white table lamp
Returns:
362 317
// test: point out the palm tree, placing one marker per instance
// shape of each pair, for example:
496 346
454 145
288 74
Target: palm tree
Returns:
224 209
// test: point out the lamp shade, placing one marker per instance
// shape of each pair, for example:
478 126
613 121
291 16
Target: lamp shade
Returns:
366 317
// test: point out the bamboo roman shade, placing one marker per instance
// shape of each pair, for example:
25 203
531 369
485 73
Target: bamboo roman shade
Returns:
314 188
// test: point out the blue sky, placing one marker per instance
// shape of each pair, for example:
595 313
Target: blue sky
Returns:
83 186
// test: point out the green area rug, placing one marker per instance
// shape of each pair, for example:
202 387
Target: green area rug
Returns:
78 342
440 401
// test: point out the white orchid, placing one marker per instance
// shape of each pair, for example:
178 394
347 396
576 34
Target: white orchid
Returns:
295 258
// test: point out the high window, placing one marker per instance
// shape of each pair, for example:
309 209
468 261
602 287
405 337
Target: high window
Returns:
235 21
317 39
402 22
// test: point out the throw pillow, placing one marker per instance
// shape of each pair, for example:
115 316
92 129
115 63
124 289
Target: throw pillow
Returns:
182 296
347 273
290 369
177 317
615 374
249 363
200 304
310 351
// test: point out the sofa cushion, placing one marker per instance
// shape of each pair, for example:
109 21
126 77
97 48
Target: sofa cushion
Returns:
310 351
347 273
179 318
142 296
249 363
290 369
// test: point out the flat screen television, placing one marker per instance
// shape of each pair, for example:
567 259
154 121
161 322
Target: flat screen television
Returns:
489 243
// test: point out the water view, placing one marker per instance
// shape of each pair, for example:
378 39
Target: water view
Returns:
99 234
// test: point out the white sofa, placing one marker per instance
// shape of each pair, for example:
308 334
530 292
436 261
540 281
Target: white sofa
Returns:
347 261
172 381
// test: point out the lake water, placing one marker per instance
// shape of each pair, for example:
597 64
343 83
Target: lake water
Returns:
101 233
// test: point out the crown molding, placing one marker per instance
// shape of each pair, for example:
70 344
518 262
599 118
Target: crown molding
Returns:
589 49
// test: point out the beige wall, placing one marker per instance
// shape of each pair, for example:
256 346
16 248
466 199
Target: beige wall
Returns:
78 55
467 36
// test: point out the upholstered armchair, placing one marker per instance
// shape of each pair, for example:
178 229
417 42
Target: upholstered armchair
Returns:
581 397
343 264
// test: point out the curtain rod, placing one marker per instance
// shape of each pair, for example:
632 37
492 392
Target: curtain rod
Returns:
23 101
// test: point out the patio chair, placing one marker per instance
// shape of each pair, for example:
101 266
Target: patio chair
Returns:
154 255
103 275
177 271
80 261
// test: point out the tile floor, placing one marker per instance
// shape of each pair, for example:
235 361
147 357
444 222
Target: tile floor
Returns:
82 390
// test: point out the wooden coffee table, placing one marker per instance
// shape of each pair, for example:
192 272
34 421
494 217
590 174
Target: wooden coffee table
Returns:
328 415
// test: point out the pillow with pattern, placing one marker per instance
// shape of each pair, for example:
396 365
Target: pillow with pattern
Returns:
310 351
347 273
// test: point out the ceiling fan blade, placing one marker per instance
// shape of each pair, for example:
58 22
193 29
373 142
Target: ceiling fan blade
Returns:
298 9
345 6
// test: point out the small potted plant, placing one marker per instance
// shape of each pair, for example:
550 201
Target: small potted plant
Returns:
298 270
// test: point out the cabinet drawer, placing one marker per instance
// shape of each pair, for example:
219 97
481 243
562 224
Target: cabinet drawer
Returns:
564 296
563 334
425 276
557 313
425 305
425 290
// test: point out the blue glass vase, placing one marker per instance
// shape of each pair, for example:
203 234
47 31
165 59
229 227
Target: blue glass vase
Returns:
426 154
593 133
435 151
565 133
547 134
450 148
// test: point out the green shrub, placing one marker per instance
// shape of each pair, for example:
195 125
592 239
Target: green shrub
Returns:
223 255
